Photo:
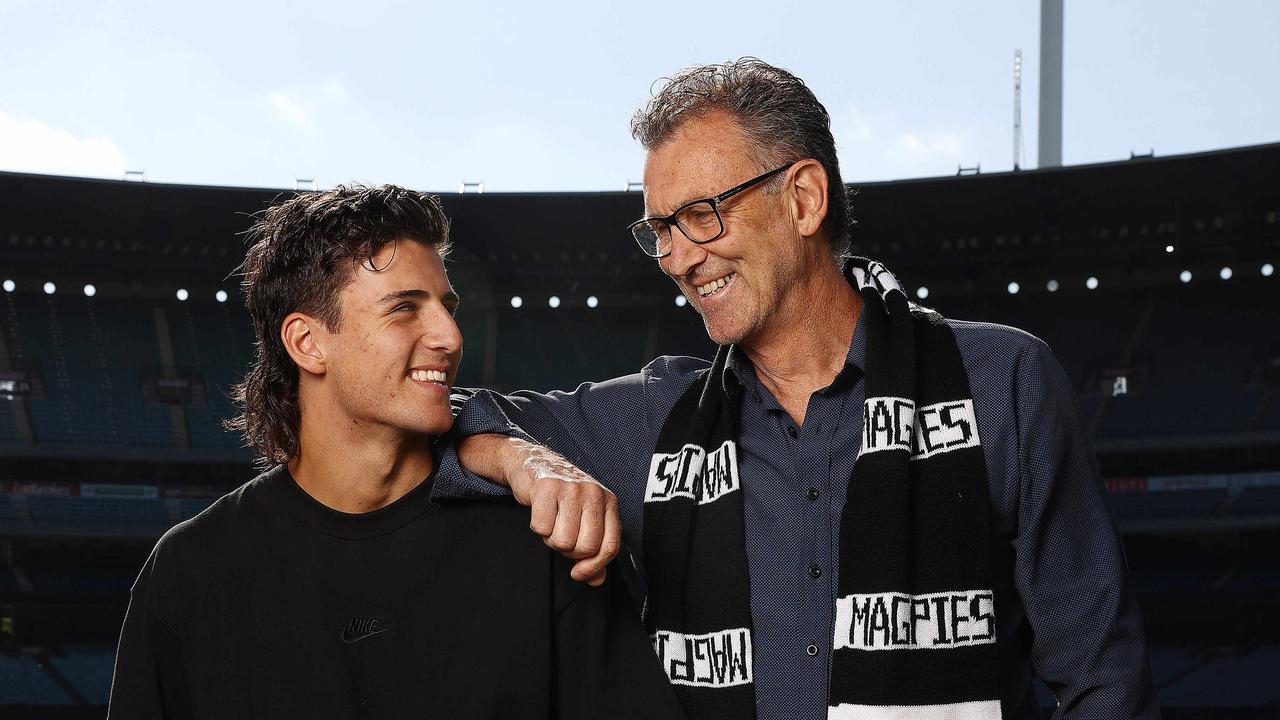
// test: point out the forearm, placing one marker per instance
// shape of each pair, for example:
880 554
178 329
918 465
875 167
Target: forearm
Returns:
510 461
488 455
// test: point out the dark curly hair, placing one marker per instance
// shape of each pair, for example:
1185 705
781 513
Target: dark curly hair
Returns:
777 111
304 252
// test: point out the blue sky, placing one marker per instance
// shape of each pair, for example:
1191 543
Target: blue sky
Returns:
537 96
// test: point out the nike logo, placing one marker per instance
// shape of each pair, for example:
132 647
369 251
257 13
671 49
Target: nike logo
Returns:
361 628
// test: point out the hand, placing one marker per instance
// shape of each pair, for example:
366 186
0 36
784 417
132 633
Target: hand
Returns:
574 514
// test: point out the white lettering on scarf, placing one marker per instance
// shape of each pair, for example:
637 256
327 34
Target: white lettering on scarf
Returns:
898 621
894 423
693 473
716 659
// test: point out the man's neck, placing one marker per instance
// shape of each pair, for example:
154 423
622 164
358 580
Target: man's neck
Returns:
805 345
355 472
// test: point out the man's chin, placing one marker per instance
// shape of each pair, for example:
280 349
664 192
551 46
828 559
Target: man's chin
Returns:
723 331
417 427
437 427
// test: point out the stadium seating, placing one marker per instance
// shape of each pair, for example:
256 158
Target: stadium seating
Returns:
1180 504
88 668
1252 501
1198 357
1217 677
22 682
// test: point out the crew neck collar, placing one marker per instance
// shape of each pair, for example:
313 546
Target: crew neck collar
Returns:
354 526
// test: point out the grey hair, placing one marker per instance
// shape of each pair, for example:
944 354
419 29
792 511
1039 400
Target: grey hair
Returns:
779 114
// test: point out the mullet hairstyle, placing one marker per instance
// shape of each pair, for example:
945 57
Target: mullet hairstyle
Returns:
304 252
779 114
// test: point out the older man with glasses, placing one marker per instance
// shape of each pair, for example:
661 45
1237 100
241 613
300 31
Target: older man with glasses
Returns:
858 509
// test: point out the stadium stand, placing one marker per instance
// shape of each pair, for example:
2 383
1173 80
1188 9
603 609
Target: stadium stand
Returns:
111 406
23 682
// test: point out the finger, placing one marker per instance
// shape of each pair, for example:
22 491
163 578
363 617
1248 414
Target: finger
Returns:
592 570
542 515
591 525
589 571
568 519
598 580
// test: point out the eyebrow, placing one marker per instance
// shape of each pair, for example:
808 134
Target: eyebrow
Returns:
678 205
418 294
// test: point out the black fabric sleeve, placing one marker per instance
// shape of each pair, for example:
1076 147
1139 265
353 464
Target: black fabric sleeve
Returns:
149 681
605 666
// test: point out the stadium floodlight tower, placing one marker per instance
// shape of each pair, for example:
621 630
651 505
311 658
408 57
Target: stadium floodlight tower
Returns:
1050 136
1017 109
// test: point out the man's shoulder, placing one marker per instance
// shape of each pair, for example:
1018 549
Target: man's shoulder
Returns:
1006 364
985 345
987 334
673 369
225 518
495 515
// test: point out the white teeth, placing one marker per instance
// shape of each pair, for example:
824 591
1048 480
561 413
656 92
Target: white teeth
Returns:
428 375
714 285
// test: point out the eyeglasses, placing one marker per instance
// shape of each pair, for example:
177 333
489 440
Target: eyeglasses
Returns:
699 220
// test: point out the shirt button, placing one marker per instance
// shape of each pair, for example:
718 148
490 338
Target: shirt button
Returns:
815 571
791 430
812 650
814 494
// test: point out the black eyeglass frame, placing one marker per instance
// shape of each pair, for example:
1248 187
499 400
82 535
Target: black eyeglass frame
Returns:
714 202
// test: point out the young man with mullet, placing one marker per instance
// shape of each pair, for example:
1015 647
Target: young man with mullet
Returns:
342 582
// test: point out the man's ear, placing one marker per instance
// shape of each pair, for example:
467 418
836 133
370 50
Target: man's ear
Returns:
298 333
810 183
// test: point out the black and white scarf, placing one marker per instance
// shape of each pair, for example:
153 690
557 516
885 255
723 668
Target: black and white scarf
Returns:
915 618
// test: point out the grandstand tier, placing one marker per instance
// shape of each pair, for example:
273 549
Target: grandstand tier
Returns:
112 406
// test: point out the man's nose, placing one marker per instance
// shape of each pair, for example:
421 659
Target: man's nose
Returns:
442 333
685 255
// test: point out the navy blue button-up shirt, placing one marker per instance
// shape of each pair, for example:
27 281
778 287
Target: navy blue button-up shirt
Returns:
1063 599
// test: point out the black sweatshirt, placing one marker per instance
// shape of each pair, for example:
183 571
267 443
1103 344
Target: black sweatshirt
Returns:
271 605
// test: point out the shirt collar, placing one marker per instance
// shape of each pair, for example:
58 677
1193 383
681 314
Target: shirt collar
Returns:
742 374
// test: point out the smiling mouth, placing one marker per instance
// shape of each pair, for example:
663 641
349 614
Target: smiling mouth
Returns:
429 377
715 286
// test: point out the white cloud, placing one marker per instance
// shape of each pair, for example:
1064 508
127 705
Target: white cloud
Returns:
852 129
911 154
293 112
334 90
28 145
